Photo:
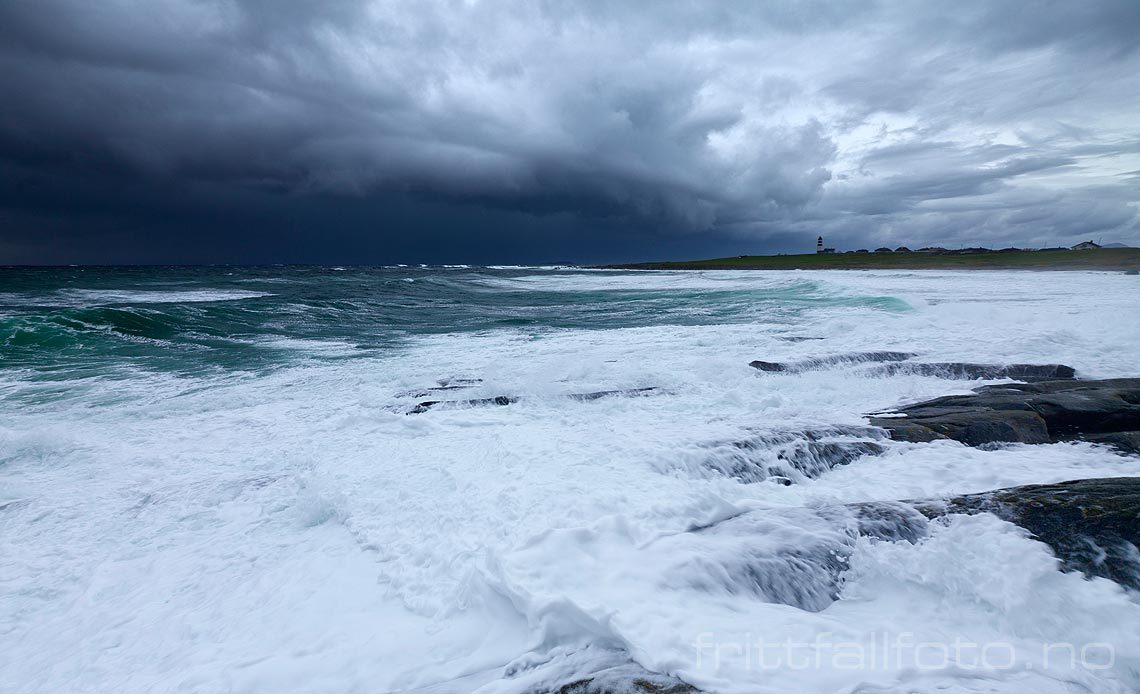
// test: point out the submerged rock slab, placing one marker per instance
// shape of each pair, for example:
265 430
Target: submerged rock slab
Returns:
792 456
789 556
625 679
500 400
504 400
899 363
628 392
1106 411
441 386
1125 441
970 428
834 360
971 372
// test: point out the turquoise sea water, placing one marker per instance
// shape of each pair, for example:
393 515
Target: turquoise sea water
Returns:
189 319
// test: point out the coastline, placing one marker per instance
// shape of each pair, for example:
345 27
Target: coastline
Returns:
1104 259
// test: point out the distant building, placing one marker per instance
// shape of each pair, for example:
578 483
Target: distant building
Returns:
1086 246
819 246
902 249
884 249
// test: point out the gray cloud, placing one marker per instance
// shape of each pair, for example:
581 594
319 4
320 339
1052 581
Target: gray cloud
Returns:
736 122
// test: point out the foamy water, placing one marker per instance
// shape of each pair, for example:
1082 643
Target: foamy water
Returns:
209 482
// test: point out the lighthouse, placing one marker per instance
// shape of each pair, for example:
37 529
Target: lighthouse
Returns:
819 245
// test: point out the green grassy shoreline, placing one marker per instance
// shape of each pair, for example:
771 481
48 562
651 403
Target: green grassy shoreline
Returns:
1099 259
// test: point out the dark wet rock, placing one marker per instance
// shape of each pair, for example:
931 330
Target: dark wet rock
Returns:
447 382
966 371
768 366
503 400
1093 526
1062 410
499 400
789 456
1133 271
835 360
623 679
629 392
1125 441
969 428
899 363
903 430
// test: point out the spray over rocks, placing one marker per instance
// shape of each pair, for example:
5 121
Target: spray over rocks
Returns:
498 481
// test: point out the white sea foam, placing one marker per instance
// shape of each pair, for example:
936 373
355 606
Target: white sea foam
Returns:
296 531
315 347
106 297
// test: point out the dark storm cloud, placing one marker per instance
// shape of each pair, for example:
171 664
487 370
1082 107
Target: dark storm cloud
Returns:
294 130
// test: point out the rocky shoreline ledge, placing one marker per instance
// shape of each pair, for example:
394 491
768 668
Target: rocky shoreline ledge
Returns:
1092 526
1104 411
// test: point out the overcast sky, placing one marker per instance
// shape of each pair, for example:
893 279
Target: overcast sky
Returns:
390 131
